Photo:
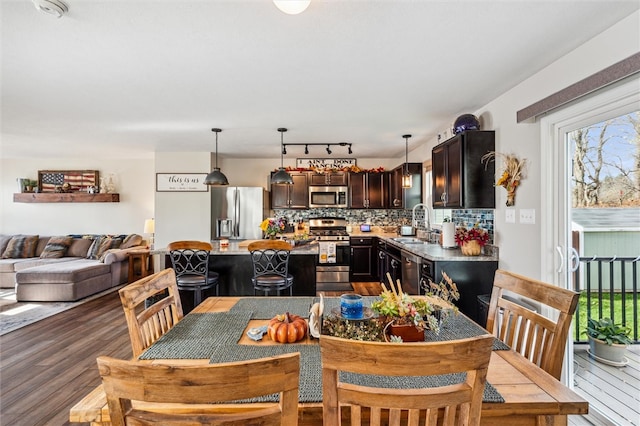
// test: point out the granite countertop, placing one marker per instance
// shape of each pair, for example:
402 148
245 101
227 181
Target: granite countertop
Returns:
240 247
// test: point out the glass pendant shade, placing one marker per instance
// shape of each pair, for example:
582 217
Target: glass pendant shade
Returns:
407 179
281 177
216 177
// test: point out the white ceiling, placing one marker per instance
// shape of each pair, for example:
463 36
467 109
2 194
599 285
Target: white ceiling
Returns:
126 78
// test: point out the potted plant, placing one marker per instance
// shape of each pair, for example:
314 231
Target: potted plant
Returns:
471 240
608 341
271 227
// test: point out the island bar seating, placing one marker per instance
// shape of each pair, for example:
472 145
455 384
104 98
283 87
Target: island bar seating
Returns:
455 403
205 385
190 260
529 333
148 322
270 260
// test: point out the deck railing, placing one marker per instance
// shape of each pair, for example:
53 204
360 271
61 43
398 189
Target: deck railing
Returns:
608 287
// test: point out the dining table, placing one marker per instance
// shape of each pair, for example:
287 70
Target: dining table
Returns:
518 392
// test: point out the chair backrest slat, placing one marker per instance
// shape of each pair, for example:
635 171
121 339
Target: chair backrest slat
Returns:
152 307
460 401
205 385
538 338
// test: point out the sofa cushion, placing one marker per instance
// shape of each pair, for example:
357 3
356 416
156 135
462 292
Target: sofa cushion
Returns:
102 244
56 247
131 240
4 240
62 272
42 243
79 247
21 246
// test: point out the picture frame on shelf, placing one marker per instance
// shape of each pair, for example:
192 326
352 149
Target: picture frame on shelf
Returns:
72 180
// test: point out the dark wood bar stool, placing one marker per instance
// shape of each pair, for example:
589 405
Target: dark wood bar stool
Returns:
190 260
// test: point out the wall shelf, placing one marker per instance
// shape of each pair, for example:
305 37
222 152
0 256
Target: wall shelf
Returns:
69 197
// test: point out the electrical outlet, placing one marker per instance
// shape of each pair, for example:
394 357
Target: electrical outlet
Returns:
528 216
510 216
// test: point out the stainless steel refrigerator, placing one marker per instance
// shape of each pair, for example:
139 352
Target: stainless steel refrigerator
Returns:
236 212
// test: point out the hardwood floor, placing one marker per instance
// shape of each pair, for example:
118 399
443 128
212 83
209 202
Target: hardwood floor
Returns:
48 366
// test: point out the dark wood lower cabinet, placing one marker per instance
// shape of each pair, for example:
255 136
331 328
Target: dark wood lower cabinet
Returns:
363 260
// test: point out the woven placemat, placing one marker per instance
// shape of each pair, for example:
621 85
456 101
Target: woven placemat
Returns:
266 307
197 335
456 327
310 389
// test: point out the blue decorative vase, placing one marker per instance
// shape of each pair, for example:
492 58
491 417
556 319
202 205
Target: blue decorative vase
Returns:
466 122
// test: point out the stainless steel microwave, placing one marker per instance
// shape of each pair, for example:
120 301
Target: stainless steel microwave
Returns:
327 196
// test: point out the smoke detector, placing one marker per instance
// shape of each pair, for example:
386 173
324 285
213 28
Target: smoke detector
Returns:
56 8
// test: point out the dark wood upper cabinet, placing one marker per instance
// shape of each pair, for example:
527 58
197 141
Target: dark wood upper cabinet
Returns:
329 178
294 196
460 179
405 198
367 190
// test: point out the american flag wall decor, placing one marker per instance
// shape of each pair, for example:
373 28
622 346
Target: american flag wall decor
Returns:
79 180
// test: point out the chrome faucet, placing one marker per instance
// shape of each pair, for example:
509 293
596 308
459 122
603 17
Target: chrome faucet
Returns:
427 223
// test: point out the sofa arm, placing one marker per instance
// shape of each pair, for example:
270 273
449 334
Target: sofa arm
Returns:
118 255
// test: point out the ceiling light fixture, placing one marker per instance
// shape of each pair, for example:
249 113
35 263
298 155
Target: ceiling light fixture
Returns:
216 177
56 8
281 177
292 7
407 179
328 146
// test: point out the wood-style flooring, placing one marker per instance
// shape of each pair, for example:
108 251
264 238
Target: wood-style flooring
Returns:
48 366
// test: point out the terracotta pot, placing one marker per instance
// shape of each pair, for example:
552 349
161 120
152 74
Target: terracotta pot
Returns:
408 332
471 248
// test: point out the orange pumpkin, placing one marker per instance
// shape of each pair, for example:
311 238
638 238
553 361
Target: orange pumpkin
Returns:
287 328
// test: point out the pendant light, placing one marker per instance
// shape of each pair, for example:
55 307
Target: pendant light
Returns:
281 177
216 177
407 179
292 7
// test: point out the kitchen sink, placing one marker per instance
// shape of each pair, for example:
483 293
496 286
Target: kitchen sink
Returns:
408 240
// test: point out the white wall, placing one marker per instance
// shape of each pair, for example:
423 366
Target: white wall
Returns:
134 181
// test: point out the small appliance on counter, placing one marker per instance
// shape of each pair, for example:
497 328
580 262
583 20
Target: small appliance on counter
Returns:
365 228
407 230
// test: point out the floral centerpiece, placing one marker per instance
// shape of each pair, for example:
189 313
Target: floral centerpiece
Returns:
405 317
471 240
441 296
272 227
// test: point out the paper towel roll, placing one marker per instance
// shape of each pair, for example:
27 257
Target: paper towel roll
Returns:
448 235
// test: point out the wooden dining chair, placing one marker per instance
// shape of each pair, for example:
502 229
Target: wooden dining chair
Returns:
270 260
190 260
451 404
535 336
205 385
152 307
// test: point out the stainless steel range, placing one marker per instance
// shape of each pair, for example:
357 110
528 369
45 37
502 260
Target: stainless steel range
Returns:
332 267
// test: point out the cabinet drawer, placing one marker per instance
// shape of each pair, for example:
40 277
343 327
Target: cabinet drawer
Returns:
361 241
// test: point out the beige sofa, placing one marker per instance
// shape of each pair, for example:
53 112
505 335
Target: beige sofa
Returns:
70 277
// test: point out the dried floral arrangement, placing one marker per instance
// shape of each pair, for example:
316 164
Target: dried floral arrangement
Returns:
511 175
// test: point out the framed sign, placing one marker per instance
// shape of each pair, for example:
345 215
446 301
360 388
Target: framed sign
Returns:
325 163
181 182
75 180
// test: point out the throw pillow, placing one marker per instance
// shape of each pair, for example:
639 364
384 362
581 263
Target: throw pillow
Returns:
56 247
102 244
79 247
21 246
131 240
4 240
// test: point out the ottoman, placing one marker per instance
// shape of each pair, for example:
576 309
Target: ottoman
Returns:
63 282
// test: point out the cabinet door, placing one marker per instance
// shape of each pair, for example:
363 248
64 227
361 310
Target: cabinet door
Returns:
357 188
375 189
338 179
395 188
279 196
363 266
453 196
439 167
299 191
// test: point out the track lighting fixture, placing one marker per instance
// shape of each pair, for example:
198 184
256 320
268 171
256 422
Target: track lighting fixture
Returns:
328 147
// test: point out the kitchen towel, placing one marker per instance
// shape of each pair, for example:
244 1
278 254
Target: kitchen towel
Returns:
327 252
